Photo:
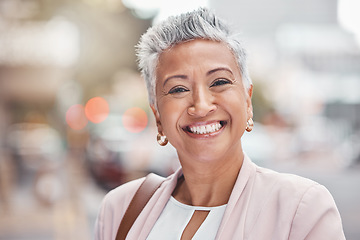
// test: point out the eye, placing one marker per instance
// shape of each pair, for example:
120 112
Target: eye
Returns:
177 90
219 82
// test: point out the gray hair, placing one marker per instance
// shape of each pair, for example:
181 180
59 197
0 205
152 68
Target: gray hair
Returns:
198 24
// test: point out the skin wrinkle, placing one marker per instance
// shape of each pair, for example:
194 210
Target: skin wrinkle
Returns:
152 89
209 73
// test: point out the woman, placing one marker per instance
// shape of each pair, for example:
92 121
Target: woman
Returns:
200 93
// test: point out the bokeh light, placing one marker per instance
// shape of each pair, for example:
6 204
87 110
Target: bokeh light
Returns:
135 119
75 117
97 109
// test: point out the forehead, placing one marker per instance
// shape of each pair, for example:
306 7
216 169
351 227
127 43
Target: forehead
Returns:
196 54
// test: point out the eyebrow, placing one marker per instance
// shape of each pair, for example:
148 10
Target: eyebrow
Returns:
207 74
175 76
219 69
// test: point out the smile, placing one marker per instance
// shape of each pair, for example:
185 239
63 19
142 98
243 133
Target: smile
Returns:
206 128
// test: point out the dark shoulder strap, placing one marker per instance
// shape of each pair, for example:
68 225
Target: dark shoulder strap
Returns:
151 183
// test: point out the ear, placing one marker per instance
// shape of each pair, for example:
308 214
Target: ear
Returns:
157 118
249 103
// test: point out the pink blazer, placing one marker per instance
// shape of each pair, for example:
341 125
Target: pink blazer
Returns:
264 205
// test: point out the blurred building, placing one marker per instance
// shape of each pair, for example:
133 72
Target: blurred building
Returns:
302 34
307 63
261 17
54 54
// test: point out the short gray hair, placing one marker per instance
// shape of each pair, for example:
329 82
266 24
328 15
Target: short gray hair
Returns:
198 24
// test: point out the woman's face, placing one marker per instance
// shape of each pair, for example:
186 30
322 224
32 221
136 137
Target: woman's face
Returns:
202 105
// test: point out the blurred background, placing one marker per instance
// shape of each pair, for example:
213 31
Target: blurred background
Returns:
75 121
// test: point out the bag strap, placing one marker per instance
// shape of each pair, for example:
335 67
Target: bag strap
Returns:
151 183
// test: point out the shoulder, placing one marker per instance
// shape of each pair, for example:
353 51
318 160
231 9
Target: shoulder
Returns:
284 182
123 193
291 187
307 205
290 191
116 202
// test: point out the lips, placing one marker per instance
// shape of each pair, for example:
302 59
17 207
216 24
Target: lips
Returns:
203 129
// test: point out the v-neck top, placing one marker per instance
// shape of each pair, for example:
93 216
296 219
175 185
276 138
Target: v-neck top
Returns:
176 216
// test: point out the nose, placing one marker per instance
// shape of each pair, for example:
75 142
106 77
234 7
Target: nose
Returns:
202 103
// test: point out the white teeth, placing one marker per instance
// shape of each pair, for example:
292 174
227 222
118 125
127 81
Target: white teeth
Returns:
206 129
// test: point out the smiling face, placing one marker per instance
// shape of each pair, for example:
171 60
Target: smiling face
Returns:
202 105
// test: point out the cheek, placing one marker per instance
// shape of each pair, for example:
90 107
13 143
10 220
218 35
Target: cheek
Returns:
234 97
236 105
170 114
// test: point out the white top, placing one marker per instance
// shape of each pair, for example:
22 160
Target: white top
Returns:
175 217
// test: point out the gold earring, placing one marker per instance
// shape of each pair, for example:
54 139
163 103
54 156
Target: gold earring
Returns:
250 125
161 139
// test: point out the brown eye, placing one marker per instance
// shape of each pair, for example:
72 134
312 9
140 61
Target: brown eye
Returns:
177 90
219 82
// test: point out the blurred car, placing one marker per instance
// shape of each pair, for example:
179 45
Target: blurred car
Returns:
116 155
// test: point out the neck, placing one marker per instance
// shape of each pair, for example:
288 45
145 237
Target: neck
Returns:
208 183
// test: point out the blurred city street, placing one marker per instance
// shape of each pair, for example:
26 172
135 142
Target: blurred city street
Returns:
70 216
75 120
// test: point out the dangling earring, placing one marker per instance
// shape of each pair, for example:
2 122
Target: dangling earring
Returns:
161 139
250 125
